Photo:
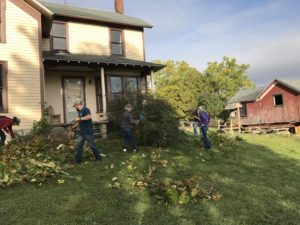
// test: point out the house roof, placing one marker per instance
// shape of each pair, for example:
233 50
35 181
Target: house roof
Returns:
292 84
92 14
246 95
101 60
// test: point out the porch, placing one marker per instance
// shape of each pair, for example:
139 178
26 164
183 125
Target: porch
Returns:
95 81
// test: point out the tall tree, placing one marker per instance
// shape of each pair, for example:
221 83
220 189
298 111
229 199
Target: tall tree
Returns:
222 81
179 84
184 87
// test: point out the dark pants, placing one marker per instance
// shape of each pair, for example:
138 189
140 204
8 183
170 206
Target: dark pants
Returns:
207 143
90 140
128 135
3 137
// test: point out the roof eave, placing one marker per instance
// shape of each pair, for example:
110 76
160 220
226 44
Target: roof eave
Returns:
287 85
65 15
52 58
41 8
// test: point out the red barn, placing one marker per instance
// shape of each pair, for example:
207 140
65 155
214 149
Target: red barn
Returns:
277 105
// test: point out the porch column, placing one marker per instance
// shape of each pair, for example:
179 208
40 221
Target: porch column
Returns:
152 81
103 91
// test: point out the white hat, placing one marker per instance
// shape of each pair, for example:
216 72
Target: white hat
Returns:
77 102
128 106
201 108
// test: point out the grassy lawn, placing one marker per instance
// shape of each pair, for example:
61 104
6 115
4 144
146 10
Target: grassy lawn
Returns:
259 181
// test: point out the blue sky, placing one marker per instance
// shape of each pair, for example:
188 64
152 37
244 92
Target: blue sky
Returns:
262 33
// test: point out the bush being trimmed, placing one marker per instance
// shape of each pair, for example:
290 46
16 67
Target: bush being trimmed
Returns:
160 125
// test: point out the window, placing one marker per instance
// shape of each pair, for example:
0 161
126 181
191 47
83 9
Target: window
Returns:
116 88
116 42
59 36
3 87
123 87
99 95
2 21
278 100
131 87
243 111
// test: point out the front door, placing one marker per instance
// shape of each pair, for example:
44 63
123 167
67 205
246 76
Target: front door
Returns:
73 89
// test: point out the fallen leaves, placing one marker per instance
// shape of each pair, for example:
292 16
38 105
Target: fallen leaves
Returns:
33 160
60 181
114 183
178 191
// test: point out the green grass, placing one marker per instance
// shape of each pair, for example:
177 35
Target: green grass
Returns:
259 180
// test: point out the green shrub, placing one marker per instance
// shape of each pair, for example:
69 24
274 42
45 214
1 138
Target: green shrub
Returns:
160 125
224 139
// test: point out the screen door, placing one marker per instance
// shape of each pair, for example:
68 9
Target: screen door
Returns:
73 89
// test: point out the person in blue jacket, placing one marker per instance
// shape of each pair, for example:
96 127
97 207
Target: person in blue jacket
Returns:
205 119
86 132
127 124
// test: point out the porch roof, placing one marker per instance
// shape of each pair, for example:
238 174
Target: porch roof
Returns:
100 60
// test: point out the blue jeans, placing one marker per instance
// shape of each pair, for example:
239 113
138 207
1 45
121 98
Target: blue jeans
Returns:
90 140
207 143
196 125
128 135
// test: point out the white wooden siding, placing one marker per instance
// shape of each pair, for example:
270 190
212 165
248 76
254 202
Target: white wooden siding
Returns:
22 54
88 39
134 44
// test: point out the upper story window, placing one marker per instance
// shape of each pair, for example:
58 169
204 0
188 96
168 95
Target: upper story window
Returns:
59 36
3 87
116 42
2 21
278 100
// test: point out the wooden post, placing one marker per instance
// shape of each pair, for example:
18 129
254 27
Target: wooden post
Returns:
239 119
219 124
152 81
103 91
231 124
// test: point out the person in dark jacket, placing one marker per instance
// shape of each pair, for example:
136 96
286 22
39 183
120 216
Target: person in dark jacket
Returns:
86 132
127 123
6 124
205 119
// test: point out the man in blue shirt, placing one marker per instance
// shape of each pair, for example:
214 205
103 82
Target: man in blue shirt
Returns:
86 132
205 119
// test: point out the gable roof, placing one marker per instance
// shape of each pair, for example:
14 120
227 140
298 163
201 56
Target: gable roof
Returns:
254 94
246 95
92 14
292 84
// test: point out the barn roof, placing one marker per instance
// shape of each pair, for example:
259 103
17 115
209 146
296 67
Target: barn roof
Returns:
292 84
246 95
